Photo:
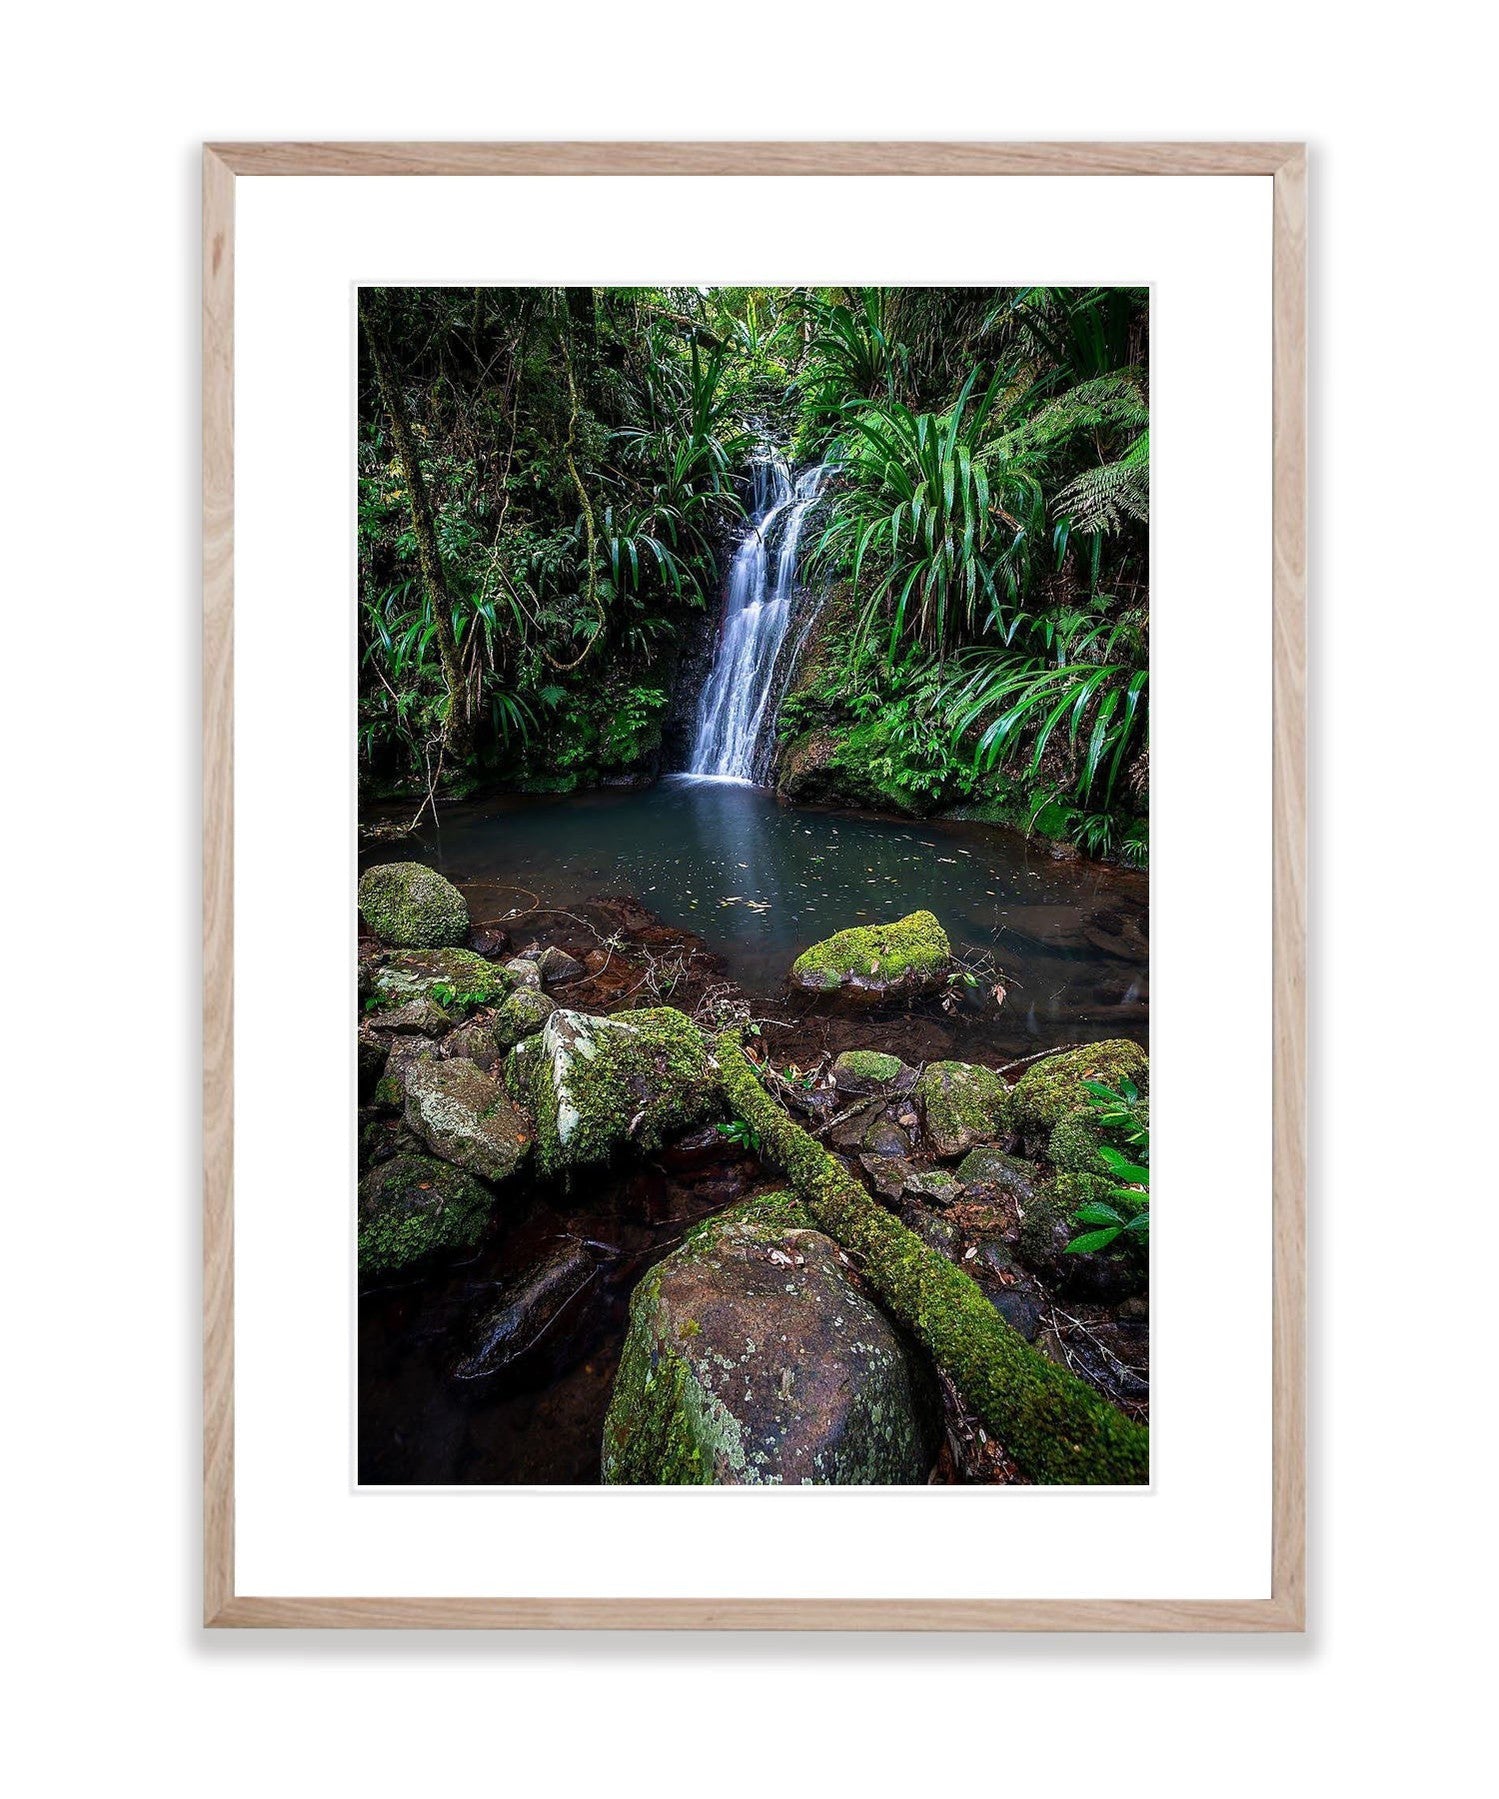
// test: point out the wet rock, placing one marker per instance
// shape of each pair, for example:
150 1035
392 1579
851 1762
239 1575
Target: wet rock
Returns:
988 1173
935 1185
752 1360
523 972
522 1015
597 1085
875 962
555 965
886 1176
859 1071
848 1133
816 1103
410 906
475 1042
935 1232
994 1260
528 1309
405 1053
454 980
373 1049
884 1137
417 1017
489 940
962 1105
465 1116
412 1208
1050 1090
1018 1310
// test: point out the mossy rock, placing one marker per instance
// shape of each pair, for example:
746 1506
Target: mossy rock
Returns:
911 955
405 1053
1073 1146
522 1015
412 1208
752 1360
989 1173
1049 1224
410 906
962 1104
454 981
466 1117
598 1085
1051 1090
867 1071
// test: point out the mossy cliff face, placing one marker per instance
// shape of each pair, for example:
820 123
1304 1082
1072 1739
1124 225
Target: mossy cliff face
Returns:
910 955
466 1117
410 906
1051 1090
1057 1429
595 1085
963 1104
412 1208
751 1360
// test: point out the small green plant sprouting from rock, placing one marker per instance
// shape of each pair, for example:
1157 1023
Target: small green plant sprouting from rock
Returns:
1121 1111
738 1131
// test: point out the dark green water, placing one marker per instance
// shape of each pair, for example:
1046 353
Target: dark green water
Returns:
759 882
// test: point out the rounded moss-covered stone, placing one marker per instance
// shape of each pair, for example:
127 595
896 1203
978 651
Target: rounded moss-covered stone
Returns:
465 1116
934 1184
866 1071
410 906
599 1084
522 1015
751 1360
404 1055
1049 1090
1073 1145
962 1104
412 1208
455 980
872 961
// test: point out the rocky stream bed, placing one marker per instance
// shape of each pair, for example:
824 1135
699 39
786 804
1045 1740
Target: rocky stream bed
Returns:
619 1220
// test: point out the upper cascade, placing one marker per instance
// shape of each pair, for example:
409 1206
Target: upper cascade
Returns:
735 706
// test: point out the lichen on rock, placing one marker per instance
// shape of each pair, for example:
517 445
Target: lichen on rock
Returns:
410 906
751 1359
455 980
520 1016
412 1208
911 955
962 1104
598 1084
466 1117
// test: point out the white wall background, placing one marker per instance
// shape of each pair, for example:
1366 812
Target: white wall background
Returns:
104 110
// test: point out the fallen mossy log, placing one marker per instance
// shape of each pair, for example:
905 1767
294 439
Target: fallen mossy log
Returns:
1057 1429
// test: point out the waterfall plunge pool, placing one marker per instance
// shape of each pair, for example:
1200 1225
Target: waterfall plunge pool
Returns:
758 882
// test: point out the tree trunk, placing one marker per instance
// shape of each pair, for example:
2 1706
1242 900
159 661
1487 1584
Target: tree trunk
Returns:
1055 1426
458 732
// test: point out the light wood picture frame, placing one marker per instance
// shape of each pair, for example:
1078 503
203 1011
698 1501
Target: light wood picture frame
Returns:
1285 163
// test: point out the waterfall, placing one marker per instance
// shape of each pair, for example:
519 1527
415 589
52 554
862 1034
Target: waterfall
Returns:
736 698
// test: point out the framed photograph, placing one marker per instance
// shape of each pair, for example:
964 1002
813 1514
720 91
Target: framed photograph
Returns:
754 886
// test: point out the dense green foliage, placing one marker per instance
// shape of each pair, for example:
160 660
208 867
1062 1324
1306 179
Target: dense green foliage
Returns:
582 454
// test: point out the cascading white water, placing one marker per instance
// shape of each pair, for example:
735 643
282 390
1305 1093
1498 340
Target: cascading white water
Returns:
731 714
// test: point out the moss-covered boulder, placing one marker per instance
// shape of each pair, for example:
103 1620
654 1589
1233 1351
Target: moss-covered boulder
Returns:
1073 1147
522 1015
962 1104
597 1085
452 980
412 1208
752 1360
879 961
410 906
859 1071
1050 1090
466 1117
1049 1223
